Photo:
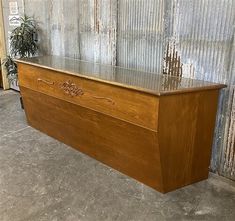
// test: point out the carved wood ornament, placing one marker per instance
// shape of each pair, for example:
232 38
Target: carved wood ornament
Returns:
71 89
46 81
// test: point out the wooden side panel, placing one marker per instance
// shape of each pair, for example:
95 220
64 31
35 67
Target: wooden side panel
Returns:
131 149
186 127
133 106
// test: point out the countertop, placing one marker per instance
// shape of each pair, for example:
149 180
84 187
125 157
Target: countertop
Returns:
153 83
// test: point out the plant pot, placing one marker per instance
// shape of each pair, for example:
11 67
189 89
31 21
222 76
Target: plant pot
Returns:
21 102
14 85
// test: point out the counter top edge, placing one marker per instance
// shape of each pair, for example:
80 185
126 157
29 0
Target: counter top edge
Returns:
215 86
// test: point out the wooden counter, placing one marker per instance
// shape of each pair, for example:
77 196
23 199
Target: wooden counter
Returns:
155 128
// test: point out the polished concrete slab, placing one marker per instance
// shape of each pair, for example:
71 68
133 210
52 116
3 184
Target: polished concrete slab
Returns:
42 179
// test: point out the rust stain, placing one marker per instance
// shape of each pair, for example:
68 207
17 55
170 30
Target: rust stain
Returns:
96 17
229 152
172 62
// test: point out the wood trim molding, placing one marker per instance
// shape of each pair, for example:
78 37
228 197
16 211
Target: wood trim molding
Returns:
3 50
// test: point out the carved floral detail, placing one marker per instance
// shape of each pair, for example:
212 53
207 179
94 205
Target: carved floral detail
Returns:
71 89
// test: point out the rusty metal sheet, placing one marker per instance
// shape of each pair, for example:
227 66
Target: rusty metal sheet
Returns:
202 33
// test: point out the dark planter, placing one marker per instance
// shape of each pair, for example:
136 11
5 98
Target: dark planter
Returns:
21 102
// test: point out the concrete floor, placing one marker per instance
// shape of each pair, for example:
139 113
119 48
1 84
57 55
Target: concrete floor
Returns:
43 179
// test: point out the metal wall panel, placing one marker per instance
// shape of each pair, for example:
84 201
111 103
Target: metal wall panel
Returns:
227 159
140 41
84 29
202 32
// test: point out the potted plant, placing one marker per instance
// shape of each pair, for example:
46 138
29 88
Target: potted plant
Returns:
23 43
23 39
11 69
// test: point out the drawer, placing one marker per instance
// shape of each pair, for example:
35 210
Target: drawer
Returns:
122 103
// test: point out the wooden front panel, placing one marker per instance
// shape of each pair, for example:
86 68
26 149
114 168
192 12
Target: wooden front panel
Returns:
129 105
186 128
128 148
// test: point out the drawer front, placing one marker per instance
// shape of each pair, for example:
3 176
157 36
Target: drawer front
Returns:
129 105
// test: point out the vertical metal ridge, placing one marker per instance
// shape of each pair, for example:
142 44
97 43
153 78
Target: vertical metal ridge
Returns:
139 34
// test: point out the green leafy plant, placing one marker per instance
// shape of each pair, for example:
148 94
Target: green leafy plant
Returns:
22 38
23 43
11 67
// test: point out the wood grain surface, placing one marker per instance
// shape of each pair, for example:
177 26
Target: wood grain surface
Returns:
138 108
163 141
131 149
186 126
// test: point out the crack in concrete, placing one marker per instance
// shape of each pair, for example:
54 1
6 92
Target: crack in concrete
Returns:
13 132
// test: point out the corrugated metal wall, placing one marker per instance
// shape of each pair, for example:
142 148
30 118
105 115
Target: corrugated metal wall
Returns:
84 29
128 33
140 41
202 32
133 34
